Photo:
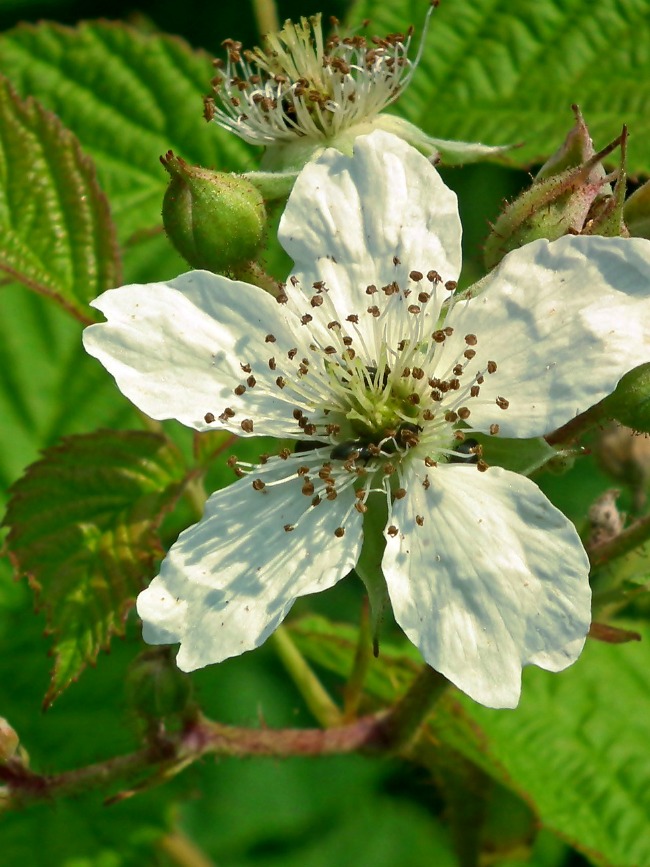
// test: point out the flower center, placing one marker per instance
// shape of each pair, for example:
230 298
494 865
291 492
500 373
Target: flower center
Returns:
301 85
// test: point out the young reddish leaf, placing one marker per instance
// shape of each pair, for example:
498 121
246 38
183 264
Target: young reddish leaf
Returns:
56 232
83 527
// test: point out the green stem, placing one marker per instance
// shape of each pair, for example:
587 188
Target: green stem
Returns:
311 689
574 429
266 16
632 537
255 274
409 714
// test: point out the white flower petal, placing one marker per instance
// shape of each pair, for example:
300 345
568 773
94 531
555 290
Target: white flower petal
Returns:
563 321
176 350
495 578
229 580
348 218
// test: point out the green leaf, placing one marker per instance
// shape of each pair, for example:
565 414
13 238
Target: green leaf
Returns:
129 97
56 233
507 71
84 525
577 746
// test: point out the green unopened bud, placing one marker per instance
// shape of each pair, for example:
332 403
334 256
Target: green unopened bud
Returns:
636 212
215 220
155 688
8 741
561 199
630 403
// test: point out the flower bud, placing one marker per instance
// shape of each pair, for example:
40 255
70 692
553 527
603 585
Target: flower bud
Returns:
636 212
8 741
630 402
215 220
155 687
566 196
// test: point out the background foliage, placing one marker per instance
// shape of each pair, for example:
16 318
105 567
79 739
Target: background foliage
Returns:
572 760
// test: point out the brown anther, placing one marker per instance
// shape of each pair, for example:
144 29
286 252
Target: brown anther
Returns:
251 381
459 436
474 391
208 417
374 311
451 416
481 466
308 488
491 367
419 520
464 413
396 261
392 530
227 413
402 345
316 501
502 403
247 425
318 285
436 395
480 379
434 277
388 469
303 369
272 363
264 459
370 290
334 324
471 339
426 484
316 300
454 384
469 353
258 485
451 285
309 429
448 330
281 298
406 372
352 318
494 429
413 399
269 338
280 382
361 507
297 414
399 494
340 531
458 369
416 276
429 462
245 367
330 493
347 340
428 415
330 350
413 308
360 494
349 353
293 279
291 354
302 471
306 318
239 473
284 454
438 336
289 527
332 430
239 390
423 297
232 461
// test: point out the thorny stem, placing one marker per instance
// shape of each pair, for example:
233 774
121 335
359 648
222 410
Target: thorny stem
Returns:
384 732
574 429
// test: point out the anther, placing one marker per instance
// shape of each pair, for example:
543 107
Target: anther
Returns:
316 301
247 425
438 336
494 429
339 532
281 298
269 338
426 484
360 507
352 318
258 485
284 454
474 391
419 520
316 501
429 462
306 318
392 530
291 354
491 367
374 310
251 381
416 276
502 403
370 290
208 418
463 413
280 382
434 277
396 261
239 390
308 488
414 309
481 466
399 494
451 285
272 363
423 297
289 527
245 367
227 414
